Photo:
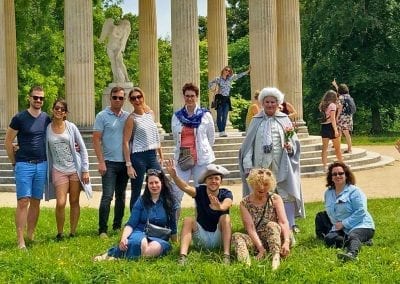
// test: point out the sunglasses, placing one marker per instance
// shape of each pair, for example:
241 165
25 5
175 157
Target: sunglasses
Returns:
133 98
58 108
190 96
229 70
37 98
118 98
337 174
153 172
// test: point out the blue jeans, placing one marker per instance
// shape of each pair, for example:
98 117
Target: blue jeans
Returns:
30 179
222 116
141 162
114 180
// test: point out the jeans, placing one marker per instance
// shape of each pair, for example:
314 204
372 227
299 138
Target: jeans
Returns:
141 162
352 242
114 180
222 116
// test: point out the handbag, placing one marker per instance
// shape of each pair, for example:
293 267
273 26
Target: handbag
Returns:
155 231
185 160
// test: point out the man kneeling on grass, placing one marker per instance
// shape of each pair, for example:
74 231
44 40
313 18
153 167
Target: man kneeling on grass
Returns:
212 225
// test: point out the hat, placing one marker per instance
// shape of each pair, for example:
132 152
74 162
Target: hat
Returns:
271 92
212 169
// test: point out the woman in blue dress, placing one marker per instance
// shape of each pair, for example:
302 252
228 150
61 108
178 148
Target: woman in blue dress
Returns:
157 206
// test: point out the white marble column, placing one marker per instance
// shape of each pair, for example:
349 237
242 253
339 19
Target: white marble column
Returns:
185 47
289 53
263 44
217 39
79 62
8 63
148 55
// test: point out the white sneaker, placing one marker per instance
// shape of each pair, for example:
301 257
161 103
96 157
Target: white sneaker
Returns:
223 134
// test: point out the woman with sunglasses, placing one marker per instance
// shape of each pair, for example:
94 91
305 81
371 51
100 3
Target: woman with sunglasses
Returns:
141 142
68 169
155 206
346 206
223 85
192 129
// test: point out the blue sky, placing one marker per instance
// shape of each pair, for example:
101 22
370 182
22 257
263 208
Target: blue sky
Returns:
163 13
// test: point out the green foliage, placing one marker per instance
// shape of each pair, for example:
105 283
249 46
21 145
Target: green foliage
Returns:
238 115
356 42
237 14
70 261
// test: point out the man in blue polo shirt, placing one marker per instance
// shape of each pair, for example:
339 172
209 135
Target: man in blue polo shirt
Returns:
211 228
29 162
107 142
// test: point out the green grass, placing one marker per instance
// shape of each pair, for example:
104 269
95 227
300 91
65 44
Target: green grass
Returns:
385 139
70 261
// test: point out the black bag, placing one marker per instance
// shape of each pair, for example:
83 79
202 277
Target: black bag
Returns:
185 160
349 107
322 224
155 231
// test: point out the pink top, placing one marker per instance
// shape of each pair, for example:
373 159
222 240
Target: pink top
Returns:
332 106
187 140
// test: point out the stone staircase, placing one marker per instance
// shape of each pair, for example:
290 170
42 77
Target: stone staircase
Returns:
226 152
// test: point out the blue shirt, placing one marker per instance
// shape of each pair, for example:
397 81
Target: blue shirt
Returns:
156 215
31 135
225 85
349 207
208 218
112 128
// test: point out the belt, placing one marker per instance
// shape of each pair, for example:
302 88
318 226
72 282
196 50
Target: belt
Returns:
35 161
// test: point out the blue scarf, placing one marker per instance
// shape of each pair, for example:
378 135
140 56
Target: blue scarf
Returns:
192 121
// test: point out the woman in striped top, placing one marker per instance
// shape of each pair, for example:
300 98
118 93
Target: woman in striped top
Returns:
141 143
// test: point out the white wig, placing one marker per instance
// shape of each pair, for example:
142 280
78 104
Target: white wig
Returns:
271 92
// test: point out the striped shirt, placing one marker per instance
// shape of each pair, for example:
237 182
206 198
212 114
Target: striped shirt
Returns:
145 133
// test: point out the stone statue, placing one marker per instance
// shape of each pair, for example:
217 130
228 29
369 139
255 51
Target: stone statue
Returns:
116 37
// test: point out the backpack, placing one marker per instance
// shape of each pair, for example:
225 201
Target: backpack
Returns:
322 224
349 107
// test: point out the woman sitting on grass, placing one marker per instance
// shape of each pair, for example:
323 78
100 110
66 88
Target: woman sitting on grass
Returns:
346 206
264 218
155 206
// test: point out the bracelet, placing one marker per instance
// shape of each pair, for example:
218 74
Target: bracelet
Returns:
128 164
287 240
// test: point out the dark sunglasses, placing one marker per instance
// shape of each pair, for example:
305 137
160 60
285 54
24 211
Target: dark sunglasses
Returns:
37 98
154 172
190 96
118 98
58 108
132 98
337 174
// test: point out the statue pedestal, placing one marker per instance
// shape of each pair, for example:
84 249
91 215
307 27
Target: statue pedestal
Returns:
106 95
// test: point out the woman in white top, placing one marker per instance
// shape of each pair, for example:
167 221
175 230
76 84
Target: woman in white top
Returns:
329 129
192 128
68 170
141 143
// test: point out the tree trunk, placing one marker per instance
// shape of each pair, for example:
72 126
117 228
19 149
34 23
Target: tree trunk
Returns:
376 123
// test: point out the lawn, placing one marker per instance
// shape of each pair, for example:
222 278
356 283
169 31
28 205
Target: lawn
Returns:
70 261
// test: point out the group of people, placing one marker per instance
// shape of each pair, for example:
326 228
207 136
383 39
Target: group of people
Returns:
337 108
51 155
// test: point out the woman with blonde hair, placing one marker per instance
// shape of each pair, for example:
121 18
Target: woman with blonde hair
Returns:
141 142
329 128
264 219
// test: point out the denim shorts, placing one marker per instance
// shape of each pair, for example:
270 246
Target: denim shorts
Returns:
30 179
205 239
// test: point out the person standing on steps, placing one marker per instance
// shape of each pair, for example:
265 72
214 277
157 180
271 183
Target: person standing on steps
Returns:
222 98
107 143
29 161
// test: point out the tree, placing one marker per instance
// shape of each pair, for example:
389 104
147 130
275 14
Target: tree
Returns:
237 15
356 42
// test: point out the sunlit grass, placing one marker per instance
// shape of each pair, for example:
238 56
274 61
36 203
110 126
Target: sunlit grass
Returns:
70 261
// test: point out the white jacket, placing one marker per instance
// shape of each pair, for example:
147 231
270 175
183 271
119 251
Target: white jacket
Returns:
204 136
